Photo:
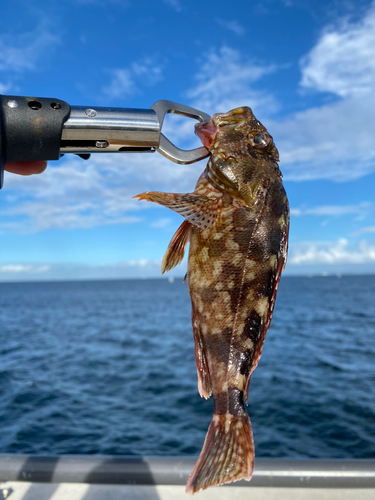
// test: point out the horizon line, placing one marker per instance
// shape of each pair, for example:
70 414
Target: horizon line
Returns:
172 279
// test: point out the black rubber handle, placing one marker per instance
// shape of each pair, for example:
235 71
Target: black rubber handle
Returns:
30 129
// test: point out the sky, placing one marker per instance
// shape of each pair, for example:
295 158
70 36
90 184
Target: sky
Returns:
305 67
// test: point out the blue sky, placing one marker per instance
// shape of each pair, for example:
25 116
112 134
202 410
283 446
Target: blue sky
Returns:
307 69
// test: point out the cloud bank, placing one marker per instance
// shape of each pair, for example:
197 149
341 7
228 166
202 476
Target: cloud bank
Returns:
42 271
131 80
337 252
342 62
226 80
334 141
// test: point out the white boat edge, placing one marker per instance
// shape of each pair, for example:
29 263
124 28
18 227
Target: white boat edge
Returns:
90 477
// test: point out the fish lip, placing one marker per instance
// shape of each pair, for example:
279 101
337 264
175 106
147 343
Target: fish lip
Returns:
206 131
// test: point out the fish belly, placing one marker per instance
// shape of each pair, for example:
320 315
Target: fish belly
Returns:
230 282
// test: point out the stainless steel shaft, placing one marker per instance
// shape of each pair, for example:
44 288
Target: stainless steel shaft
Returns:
98 129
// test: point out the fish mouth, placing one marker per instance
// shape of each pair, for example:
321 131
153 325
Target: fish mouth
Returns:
206 131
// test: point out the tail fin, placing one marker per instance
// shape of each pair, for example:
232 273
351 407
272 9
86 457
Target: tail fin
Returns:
227 454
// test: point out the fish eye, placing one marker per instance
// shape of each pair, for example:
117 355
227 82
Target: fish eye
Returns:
261 140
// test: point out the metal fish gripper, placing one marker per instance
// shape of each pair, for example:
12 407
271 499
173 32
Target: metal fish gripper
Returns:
34 129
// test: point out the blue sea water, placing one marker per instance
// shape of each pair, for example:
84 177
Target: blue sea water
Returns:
108 367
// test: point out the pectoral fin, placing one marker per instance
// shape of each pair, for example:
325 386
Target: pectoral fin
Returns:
201 211
176 248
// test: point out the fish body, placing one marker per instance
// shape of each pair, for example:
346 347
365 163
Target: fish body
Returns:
237 222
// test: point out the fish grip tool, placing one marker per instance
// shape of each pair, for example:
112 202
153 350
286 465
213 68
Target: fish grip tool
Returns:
40 129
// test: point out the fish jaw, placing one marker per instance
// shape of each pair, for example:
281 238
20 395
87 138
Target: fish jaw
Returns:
206 131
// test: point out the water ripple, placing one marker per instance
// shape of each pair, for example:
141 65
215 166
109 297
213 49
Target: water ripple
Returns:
108 367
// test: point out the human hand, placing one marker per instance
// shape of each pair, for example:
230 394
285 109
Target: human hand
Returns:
26 167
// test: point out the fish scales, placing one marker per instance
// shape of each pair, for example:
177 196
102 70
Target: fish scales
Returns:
237 222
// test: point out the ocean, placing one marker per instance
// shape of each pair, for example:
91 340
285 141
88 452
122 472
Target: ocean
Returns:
107 367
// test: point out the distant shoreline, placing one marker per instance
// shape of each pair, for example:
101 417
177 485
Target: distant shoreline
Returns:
175 278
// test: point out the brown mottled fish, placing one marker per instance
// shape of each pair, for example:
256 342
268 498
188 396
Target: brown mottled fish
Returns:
237 222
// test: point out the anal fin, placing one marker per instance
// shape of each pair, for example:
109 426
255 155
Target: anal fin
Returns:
176 248
204 379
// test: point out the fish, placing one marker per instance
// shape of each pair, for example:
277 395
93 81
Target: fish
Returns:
237 223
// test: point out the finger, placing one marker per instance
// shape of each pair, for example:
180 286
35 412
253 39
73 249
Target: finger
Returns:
26 167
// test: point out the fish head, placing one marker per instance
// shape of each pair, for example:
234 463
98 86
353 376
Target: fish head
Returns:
234 126
243 152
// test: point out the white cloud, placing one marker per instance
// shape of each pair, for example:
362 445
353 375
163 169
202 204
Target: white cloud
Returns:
141 268
233 26
21 268
21 52
127 81
81 194
161 223
361 210
331 253
226 80
122 83
343 62
364 230
42 216
334 141
175 4
331 142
